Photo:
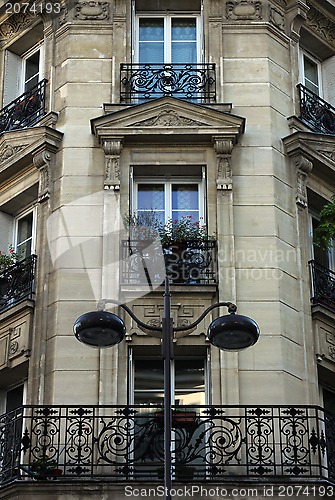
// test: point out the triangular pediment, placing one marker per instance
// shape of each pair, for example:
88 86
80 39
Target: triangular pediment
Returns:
168 116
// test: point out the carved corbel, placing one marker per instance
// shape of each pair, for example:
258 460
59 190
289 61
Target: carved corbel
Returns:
303 168
223 148
112 149
42 161
297 15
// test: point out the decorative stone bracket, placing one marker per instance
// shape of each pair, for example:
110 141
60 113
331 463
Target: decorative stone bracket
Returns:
303 168
223 148
42 161
112 149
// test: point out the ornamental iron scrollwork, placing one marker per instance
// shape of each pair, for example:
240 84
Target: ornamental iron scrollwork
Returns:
191 262
323 281
142 82
17 282
316 112
208 443
24 111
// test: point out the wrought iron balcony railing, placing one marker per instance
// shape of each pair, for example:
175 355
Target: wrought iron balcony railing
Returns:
316 112
17 282
209 443
193 262
25 110
142 82
323 285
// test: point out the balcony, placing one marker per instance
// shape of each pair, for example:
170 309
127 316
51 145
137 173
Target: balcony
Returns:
211 443
316 112
323 286
25 111
142 82
17 283
193 262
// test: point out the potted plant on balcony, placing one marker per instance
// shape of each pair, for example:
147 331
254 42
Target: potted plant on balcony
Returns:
8 260
45 468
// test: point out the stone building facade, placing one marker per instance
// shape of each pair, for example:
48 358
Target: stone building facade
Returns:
222 109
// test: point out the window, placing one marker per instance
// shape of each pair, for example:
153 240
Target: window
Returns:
170 199
188 381
25 234
18 232
23 72
325 258
311 73
168 39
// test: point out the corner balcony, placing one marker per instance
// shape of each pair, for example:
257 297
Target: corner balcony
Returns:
315 112
209 443
142 82
193 262
25 111
17 283
323 286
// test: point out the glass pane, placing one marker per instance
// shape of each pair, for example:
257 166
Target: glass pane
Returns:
14 398
184 29
189 382
32 65
151 29
184 52
151 53
185 197
311 75
151 197
32 83
193 215
24 228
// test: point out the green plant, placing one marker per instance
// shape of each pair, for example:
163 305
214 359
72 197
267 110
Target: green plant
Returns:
325 233
148 226
7 260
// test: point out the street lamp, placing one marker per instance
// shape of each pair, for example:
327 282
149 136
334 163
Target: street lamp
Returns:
231 332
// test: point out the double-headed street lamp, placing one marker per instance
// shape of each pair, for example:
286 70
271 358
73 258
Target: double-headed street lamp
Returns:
231 332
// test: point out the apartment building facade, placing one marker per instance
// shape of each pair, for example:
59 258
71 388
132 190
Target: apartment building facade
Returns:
221 111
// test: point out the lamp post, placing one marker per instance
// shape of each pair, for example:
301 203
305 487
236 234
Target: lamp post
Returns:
231 332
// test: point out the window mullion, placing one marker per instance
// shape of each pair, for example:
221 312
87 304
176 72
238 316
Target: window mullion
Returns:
167 40
168 200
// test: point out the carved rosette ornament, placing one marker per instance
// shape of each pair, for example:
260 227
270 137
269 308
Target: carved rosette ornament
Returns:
223 148
92 11
303 167
240 10
42 161
112 149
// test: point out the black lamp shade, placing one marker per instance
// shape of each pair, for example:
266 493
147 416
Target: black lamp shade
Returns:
233 332
99 329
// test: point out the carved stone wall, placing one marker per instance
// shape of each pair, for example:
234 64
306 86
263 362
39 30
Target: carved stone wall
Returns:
15 340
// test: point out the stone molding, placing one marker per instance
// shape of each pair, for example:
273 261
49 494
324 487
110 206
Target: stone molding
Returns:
42 161
321 25
112 149
223 148
92 10
303 168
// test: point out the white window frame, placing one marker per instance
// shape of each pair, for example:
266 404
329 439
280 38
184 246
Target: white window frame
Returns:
37 48
17 73
17 219
317 62
167 34
168 193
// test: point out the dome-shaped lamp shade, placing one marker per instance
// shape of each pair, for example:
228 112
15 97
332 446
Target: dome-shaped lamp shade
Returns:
233 332
99 329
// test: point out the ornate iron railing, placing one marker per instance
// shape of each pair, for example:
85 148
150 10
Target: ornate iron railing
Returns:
193 262
141 82
17 282
316 112
25 110
208 442
323 285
